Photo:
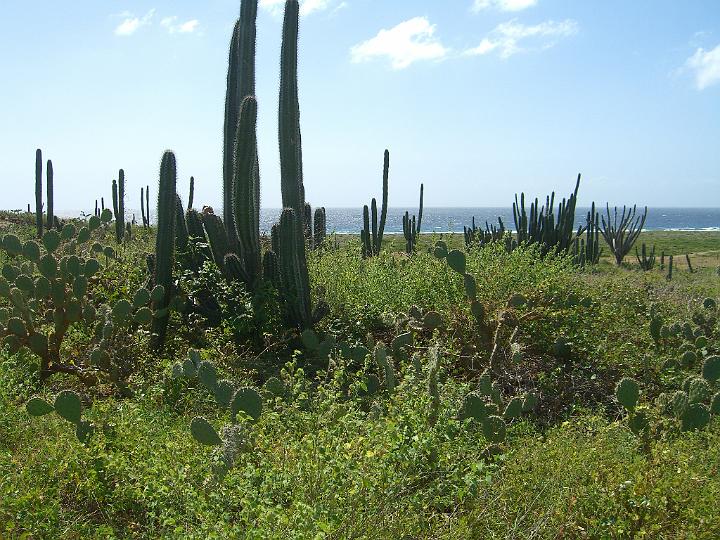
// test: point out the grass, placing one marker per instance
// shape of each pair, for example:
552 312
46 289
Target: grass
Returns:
327 461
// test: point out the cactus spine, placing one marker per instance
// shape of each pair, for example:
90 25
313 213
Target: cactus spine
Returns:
292 257
240 83
164 246
38 193
50 195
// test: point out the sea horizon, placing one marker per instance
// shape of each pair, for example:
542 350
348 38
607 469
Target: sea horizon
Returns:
444 220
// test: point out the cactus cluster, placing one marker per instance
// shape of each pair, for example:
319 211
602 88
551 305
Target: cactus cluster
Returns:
486 405
645 260
587 251
621 232
48 286
411 227
542 226
371 235
477 237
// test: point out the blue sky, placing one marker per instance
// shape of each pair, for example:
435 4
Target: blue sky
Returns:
478 99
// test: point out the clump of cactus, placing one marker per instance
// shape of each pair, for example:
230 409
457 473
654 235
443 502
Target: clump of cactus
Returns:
411 227
622 231
586 251
371 236
477 237
486 405
244 404
645 260
542 226
48 282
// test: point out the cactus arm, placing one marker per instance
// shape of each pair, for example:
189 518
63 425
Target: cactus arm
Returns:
420 212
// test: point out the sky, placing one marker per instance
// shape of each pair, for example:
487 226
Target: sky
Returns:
477 99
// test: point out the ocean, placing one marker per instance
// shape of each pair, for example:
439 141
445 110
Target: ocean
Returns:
444 220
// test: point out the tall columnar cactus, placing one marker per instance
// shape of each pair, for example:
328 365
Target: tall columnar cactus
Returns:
295 289
319 227
372 233
240 84
621 234
246 191
308 223
292 255
38 193
164 246
191 196
142 207
181 230
553 233
411 227
119 219
217 238
50 195
121 198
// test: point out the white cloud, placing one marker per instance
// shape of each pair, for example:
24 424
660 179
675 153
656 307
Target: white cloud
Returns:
706 67
511 37
130 24
172 26
503 5
406 43
307 7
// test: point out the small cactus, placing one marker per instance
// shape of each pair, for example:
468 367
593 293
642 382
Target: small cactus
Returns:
627 392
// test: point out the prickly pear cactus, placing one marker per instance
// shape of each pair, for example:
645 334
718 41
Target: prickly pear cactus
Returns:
49 281
245 406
